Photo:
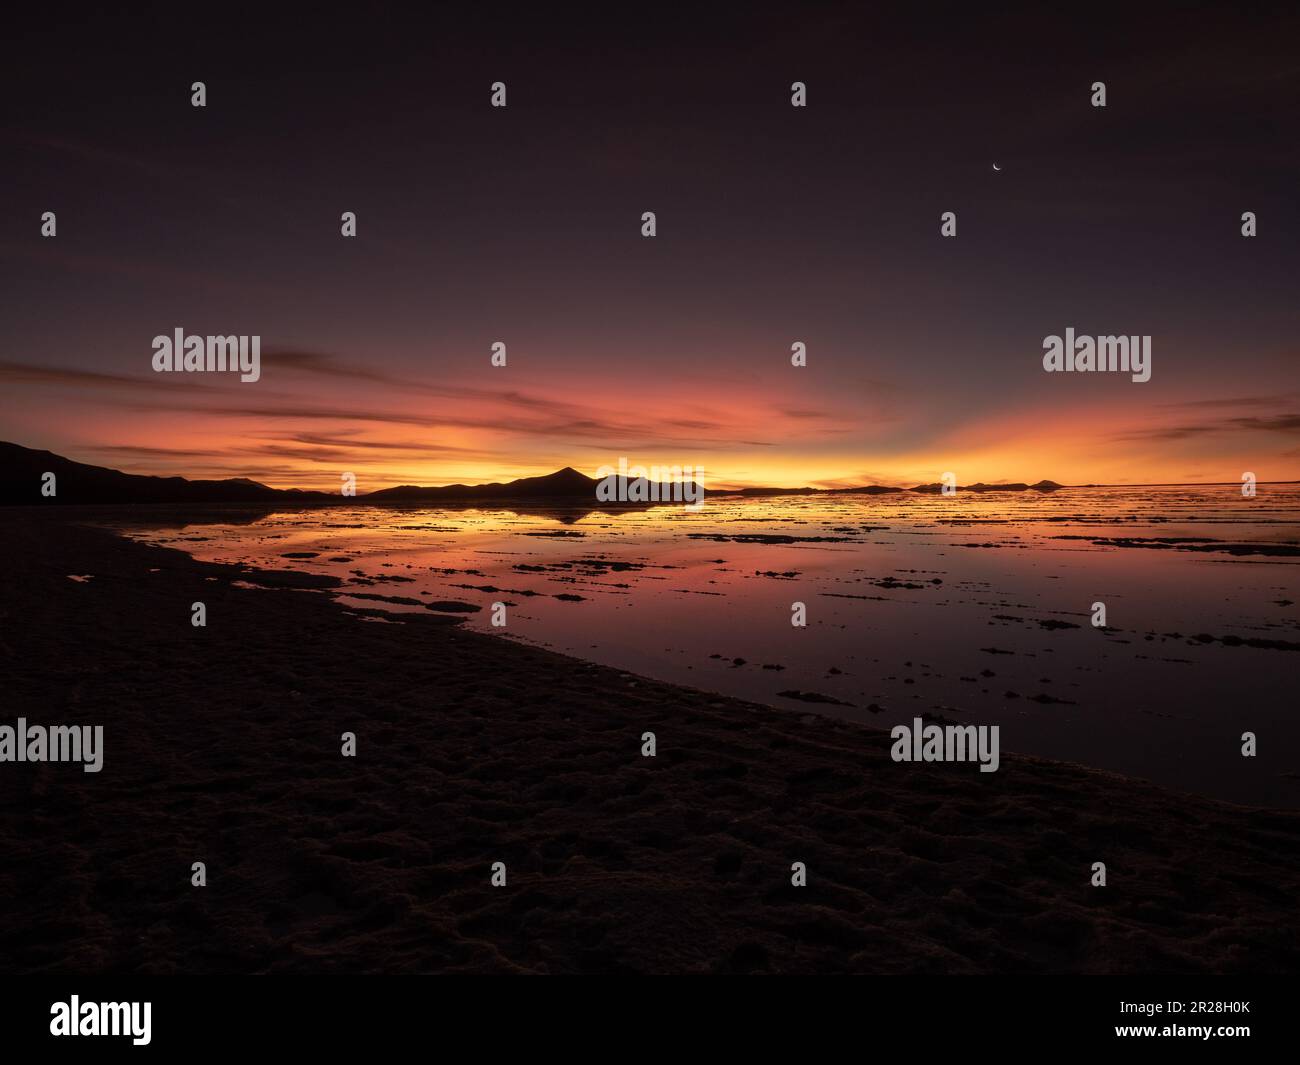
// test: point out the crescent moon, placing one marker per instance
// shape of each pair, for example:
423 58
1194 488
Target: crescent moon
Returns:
997 168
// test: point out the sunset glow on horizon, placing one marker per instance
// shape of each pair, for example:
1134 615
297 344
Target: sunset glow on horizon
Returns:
521 225
312 418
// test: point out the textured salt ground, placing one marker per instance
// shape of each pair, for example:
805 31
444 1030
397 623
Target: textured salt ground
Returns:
222 746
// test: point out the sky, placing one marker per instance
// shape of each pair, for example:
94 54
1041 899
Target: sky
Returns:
775 225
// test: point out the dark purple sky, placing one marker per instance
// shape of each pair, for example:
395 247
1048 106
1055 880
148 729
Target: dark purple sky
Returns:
776 224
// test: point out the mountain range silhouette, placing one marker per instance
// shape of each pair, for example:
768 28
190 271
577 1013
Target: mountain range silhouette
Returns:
23 473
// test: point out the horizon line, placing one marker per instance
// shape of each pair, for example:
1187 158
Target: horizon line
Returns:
716 491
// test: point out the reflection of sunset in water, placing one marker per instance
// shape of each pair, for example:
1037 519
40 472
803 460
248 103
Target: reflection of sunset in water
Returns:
974 608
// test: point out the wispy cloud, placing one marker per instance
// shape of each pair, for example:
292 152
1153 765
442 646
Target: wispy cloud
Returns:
1279 423
1278 399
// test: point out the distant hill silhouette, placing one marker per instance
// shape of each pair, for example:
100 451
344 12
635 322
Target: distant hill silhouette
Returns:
22 471
879 490
567 483
980 486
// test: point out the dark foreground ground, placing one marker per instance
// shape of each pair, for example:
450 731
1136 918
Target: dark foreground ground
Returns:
222 745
